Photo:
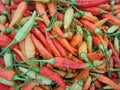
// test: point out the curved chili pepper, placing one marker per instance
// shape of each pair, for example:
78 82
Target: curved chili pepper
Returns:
52 75
22 32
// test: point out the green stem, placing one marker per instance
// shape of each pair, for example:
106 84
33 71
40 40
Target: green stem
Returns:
84 56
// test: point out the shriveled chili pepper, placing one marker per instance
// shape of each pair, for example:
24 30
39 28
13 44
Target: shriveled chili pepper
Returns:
22 32
52 75
95 10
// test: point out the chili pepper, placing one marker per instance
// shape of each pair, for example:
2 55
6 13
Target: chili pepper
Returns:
95 56
52 8
82 75
60 16
3 9
95 10
21 10
44 52
22 32
12 34
17 1
29 86
108 81
101 22
4 87
61 49
77 38
90 26
113 50
112 29
6 74
68 17
84 56
2 27
87 83
52 46
98 84
41 26
12 7
29 47
88 3
97 42
89 40
8 58
35 75
52 75
112 19
41 37
67 46
5 40
3 19
82 48
116 44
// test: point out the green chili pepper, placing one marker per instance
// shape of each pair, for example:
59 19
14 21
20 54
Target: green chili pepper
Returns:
35 75
89 39
7 2
116 44
3 19
6 82
84 56
8 59
117 33
112 3
112 29
77 85
22 33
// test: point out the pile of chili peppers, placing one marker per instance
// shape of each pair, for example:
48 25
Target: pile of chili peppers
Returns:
59 45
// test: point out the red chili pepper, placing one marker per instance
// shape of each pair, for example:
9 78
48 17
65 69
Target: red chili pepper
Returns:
29 86
4 87
52 75
6 74
114 53
95 56
17 1
42 26
5 40
59 47
112 19
12 35
52 46
114 75
89 3
61 62
96 40
2 8
27 13
95 10
41 37
2 63
60 16
111 63
88 25
13 7
43 51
